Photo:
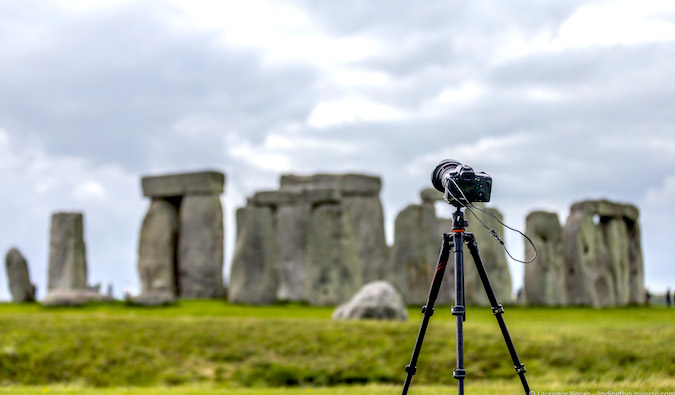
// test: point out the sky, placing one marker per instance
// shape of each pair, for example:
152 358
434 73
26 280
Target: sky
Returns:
558 101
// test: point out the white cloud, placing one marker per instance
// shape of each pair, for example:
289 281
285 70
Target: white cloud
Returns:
89 190
462 94
626 22
351 110
598 24
284 32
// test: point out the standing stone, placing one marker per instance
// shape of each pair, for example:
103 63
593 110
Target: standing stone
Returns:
603 254
494 259
376 300
292 228
254 271
580 248
17 275
67 277
200 247
365 218
157 253
67 259
635 263
415 253
544 282
334 272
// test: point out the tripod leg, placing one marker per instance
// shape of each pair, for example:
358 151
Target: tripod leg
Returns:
428 310
459 311
497 309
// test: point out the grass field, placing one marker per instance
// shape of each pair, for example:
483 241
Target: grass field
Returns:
211 347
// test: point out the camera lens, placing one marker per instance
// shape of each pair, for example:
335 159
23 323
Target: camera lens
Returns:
444 167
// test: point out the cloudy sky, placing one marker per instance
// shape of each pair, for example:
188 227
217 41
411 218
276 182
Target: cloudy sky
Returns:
557 101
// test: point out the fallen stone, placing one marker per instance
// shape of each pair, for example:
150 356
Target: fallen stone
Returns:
73 297
154 298
376 300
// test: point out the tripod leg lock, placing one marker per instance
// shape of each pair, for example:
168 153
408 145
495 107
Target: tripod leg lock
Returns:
520 369
410 369
498 310
458 373
424 310
458 310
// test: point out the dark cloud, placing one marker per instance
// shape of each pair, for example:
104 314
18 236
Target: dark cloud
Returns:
112 87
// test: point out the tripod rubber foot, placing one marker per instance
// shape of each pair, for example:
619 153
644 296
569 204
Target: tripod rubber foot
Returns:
458 373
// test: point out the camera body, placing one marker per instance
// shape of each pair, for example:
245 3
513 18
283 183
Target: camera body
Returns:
460 183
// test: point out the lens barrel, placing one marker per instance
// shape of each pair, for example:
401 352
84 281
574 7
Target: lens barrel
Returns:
445 166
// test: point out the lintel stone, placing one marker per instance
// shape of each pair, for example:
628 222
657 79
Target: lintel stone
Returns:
274 198
348 184
606 208
199 183
430 195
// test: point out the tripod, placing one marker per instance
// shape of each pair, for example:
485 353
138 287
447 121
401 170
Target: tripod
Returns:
455 240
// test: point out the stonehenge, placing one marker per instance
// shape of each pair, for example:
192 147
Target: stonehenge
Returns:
17 275
594 260
317 239
180 252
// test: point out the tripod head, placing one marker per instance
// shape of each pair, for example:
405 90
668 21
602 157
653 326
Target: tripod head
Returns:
458 222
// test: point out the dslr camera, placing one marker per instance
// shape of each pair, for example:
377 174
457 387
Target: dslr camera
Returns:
460 183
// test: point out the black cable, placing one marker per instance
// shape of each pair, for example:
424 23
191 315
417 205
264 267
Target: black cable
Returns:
493 232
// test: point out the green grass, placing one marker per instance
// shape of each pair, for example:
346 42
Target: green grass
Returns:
480 388
214 347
